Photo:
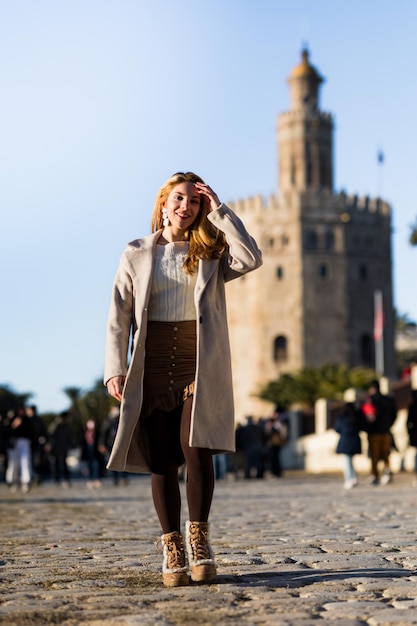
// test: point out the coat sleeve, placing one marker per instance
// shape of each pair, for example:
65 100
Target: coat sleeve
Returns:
119 323
243 254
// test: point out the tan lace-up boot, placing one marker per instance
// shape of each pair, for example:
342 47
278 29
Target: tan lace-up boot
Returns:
174 568
200 554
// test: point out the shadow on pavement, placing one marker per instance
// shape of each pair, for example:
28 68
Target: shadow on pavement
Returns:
306 577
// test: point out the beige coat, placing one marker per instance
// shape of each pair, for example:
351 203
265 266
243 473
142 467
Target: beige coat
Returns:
212 421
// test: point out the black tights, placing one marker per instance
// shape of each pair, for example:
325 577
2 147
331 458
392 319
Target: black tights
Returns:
164 430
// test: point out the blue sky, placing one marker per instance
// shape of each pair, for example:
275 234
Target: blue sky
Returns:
101 100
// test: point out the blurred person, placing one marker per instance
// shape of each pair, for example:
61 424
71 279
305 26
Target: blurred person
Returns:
276 431
176 394
40 466
106 439
238 457
60 443
91 454
254 441
3 448
348 425
380 413
220 466
19 459
412 425
407 370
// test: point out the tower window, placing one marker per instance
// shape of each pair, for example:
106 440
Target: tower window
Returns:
329 239
309 167
280 272
324 177
311 239
293 177
322 270
363 272
365 350
280 348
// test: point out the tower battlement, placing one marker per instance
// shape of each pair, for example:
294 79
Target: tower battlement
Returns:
255 204
365 204
258 206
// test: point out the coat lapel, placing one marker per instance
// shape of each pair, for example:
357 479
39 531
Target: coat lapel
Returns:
206 269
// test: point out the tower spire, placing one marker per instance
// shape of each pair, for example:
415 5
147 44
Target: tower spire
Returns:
305 133
304 82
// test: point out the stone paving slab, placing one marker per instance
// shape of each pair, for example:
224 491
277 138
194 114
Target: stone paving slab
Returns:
294 551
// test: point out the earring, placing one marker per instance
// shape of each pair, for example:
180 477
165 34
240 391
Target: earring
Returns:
165 220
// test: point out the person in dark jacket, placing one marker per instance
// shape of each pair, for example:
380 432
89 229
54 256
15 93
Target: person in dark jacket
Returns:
347 424
380 413
254 445
60 444
90 453
412 424
40 464
106 438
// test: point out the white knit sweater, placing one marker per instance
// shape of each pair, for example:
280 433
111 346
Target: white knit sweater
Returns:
172 290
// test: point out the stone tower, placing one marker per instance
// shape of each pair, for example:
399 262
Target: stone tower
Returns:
325 255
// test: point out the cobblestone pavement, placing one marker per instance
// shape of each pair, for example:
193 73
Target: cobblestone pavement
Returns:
296 551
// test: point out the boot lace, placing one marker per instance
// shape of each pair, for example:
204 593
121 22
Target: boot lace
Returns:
175 552
199 543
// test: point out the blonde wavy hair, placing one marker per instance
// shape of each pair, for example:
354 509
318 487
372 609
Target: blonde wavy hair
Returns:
206 241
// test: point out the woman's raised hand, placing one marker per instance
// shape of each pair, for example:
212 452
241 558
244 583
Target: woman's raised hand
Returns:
209 195
115 386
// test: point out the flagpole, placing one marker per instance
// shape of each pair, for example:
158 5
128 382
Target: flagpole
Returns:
380 161
379 332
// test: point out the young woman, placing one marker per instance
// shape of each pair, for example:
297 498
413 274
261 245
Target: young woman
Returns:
348 425
168 310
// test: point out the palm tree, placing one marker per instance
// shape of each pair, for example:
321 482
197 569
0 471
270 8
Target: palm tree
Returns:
97 403
309 384
403 321
76 415
10 400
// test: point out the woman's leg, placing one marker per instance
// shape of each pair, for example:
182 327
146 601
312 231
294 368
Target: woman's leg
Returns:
349 470
167 499
163 437
25 461
200 487
200 471
374 454
12 467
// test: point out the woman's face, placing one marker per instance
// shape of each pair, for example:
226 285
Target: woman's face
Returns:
183 205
